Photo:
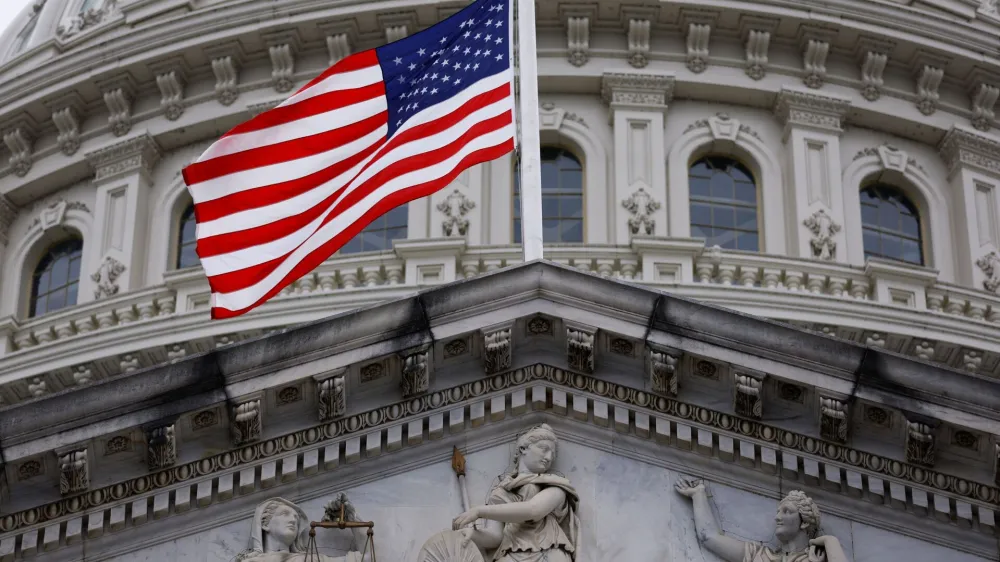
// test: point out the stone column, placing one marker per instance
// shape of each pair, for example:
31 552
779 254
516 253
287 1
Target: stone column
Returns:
973 161
638 108
122 176
813 124
8 212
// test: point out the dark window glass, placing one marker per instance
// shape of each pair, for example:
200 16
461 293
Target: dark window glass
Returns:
186 241
724 204
380 233
891 225
562 197
55 281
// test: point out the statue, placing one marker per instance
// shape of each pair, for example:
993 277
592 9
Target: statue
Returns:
536 510
281 533
796 526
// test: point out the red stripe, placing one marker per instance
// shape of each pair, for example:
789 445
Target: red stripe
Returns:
277 192
243 239
319 255
281 152
357 61
315 105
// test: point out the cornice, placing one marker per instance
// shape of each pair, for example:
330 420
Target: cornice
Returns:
140 153
963 148
801 109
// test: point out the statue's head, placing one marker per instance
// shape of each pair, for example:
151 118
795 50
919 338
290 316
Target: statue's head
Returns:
283 526
536 449
797 513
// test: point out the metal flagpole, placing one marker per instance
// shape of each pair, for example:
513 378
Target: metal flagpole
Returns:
530 145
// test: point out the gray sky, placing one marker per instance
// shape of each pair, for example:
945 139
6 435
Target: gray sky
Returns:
10 9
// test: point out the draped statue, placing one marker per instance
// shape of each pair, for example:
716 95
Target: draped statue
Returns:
280 533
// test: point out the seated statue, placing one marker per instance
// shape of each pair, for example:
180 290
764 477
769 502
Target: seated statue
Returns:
280 533
796 526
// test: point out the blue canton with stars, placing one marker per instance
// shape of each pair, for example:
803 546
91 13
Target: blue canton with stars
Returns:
439 62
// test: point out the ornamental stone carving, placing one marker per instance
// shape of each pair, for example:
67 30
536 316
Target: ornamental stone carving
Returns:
641 91
641 206
280 533
920 443
796 108
638 42
82 21
990 264
814 62
135 154
697 47
824 232
872 71
226 61
416 375
331 393
963 147
67 122
662 366
984 98
748 399
928 81
833 419
757 44
580 348
455 207
161 447
19 143
578 39
246 422
74 473
497 350
797 525
106 278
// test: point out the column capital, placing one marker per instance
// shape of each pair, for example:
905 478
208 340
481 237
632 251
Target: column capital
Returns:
643 91
964 148
136 154
810 110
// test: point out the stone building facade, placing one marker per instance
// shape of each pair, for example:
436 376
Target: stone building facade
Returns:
830 168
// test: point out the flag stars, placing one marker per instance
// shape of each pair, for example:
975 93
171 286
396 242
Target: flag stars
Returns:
421 52
412 67
500 57
499 40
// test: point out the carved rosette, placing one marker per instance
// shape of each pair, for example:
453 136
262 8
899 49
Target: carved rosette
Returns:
455 207
824 232
74 473
416 375
662 366
106 278
833 422
749 395
990 264
331 392
580 349
161 447
920 443
641 206
247 423
497 350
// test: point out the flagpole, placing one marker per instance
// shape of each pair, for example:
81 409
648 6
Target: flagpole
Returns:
530 145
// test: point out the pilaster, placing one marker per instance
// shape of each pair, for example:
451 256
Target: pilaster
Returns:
638 107
813 124
973 163
122 176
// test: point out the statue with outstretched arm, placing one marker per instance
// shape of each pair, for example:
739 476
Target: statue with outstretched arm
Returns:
796 525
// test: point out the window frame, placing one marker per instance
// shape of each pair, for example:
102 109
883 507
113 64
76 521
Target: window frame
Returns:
36 272
752 171
515 205
918 211
405 209
178 242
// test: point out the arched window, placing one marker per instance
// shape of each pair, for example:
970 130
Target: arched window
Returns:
562 197
724 204
890 225
55 282
23 36
380 233
186 241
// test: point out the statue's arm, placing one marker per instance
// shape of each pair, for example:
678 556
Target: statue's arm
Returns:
544 503
707 528
489 536
831 545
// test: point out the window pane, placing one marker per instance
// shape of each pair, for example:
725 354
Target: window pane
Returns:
869 215
747 241
701 214
888 215
909 225
550 230
380 233
43 282
723 216
700 169
550 176
892 247
572 231
871 242
722 203
746 219
517 231
41 305
60 272
550 206
746 192
911 251
71 294
571 207
892 225
562 200
722 186
699 187
572 180
57 299
517 207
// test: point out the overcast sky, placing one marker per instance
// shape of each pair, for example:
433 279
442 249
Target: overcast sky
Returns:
10 9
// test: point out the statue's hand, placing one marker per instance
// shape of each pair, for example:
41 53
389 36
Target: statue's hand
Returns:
466 535
689 487
465 519
332 509
816 554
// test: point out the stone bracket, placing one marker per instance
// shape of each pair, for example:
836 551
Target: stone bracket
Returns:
247 419
416 371
74 469
834 419
161 445
748 394
581 350
921 440
498 347
662 367
331 394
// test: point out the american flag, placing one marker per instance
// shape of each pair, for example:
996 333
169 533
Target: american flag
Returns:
277 195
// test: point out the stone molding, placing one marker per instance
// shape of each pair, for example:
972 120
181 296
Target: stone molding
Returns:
637 91
963 148
140 153
797 108
633 413
8 212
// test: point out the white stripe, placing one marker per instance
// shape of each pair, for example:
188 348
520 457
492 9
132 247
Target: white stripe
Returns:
277 173
305 127
337 82
243 298
260 216
262 253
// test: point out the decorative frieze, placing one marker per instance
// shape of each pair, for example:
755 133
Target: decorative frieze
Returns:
640 91
74 472
282 47
641 207
984 99
455 206
331 394
638 42
135 154
796 108
106 278
226 61
833 419
497 349
962 147
416 374
662 367
161 447
580 349
920 445
697 46
247 421
84 20
119 92
748 396
824 231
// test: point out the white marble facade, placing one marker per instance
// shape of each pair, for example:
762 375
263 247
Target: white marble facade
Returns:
628 509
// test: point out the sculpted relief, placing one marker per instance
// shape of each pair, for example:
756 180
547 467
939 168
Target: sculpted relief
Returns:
280 533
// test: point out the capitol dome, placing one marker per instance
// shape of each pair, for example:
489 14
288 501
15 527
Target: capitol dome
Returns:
832 167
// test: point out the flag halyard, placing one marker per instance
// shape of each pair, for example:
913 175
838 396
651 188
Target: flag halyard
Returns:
277 195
